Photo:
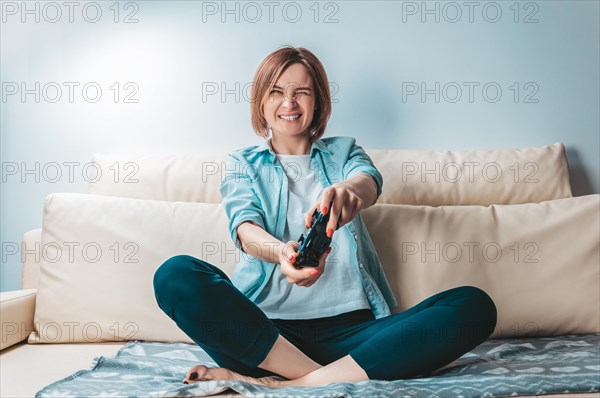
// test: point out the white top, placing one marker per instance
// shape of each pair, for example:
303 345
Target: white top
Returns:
283 300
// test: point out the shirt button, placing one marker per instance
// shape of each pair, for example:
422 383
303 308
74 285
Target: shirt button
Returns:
360 265
370 293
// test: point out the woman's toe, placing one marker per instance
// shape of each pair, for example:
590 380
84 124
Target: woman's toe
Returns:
202 373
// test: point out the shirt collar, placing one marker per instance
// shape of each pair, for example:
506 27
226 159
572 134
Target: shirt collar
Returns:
318 145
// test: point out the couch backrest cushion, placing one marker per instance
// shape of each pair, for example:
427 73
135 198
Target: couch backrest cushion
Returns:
99 257
479 177
419 177
31 258
539 262
170 177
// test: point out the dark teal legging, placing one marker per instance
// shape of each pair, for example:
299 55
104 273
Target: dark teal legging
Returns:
204 304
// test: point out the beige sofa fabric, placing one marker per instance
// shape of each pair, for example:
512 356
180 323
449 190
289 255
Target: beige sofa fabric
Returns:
86 297
31 258
540 263
27 368
480 177
170 177
17 308
434 178
101 290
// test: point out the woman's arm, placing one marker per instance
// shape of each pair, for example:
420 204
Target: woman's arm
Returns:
364 186
351 196
259 243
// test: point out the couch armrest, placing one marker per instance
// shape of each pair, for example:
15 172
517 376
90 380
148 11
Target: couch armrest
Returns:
17 308
31 258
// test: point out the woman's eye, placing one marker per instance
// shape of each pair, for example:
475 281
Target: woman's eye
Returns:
275 91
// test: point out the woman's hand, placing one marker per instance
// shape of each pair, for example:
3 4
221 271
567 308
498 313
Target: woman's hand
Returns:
306 276
346 204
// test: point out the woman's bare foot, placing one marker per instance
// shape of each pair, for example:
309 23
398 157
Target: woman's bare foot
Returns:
344 369
204 373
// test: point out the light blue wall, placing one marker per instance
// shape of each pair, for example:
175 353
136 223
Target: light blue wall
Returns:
372 51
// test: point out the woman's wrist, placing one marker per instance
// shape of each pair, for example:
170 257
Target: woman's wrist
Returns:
364 186
258 243
280 252
285 251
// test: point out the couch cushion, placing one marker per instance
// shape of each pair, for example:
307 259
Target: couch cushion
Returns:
27 368
478 177
99 254
542 273
538 262
17 308
31 258
170 177
422 177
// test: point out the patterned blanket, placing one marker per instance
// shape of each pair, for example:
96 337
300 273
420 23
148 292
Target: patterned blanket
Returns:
496 368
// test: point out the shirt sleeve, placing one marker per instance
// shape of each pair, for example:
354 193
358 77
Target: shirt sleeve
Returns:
239 198
359 162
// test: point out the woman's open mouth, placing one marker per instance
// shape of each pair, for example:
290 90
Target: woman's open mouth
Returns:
290 118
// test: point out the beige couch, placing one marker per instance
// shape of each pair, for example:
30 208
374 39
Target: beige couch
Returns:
502 220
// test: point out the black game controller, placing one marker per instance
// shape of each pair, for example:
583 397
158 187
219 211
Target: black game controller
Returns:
316 241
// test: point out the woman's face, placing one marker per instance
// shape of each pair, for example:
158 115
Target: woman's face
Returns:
289 107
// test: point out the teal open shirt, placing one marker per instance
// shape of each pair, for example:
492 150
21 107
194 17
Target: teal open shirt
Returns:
254 188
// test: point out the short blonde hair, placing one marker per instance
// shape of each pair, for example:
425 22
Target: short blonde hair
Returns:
266 76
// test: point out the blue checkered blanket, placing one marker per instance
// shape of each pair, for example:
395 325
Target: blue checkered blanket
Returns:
496 368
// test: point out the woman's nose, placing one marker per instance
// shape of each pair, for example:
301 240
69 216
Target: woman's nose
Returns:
289 102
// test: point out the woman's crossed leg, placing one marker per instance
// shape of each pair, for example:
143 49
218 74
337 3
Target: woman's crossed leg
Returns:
419 340
203 302
206 306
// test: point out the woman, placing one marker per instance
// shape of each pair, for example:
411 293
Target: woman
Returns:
278 325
